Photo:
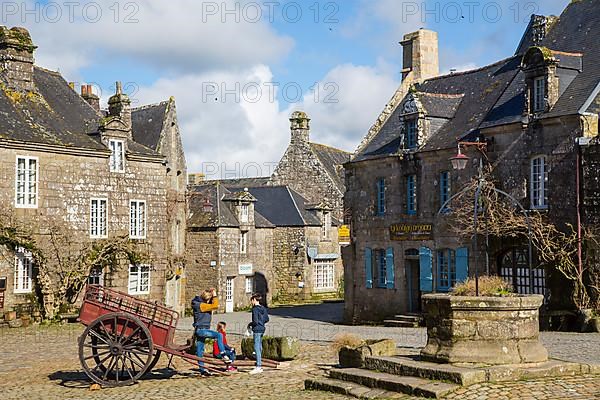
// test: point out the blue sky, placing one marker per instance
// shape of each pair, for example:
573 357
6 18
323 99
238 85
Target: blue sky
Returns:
197 52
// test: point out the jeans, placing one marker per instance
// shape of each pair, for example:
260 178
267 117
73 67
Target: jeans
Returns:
201 335
258 348
230 353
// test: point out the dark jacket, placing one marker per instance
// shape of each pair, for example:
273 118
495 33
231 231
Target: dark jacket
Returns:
260 317
202 319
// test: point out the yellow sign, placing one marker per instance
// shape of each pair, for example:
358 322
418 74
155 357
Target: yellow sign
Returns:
410 232
344 235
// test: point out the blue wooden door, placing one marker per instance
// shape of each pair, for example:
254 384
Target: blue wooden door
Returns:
426 270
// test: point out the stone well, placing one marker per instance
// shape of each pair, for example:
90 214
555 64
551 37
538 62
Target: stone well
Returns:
483 330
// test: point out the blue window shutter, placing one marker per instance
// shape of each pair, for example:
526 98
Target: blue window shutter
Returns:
426 269
389 268
462 264
369 268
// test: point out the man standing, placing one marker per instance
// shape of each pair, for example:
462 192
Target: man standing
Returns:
260 317
203 306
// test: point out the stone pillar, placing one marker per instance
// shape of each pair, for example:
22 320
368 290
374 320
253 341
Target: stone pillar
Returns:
420 55
16 59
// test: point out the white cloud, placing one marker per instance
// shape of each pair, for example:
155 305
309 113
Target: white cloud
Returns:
362 93
225 137
175 35
223 134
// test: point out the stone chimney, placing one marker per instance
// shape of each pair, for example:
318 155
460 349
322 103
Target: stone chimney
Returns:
420 55
88 95
119 105
300 127
16 59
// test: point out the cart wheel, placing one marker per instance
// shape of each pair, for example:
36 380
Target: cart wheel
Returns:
116 349
157 354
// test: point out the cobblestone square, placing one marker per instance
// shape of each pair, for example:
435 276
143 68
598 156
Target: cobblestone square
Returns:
41 362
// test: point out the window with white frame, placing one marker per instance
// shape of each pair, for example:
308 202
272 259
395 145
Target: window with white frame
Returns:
117 155
539 183
139 279
26 182
245 213
137 219
23 271
96 276
98 222
249 284
539 94
243 242
324 274
326 226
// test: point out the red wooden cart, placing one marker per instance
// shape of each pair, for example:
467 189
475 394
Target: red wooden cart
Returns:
125 336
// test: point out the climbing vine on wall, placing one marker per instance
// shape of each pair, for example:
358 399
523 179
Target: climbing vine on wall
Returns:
63 261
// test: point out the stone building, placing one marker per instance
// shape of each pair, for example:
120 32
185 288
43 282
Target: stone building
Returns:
311 169
293 250
264 239
526 117
90 175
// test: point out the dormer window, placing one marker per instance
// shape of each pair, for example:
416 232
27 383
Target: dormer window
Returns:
410 127
539 94
245 213
117 155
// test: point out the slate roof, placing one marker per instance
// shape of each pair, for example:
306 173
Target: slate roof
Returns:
220 215
148 124
274 206
241 183
577 31
495 94
440 105
332 160
57 115
282 206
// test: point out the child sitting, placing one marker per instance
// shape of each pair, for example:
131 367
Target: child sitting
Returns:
229 351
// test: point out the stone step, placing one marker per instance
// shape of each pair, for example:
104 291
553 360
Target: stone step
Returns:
350 389
408 318
393 383
400 324
426 370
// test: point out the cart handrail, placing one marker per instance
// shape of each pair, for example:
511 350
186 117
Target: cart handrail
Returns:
113 300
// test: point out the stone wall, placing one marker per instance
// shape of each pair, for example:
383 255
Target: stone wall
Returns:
289 259
302 171
259 254
510 152
201 249
67 182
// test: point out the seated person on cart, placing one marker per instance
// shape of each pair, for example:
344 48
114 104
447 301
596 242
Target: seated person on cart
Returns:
203 306
229 351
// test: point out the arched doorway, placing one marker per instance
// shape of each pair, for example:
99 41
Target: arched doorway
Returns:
514 268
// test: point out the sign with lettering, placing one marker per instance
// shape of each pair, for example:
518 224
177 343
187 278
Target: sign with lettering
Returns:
245 269
344 235
1 300
414 232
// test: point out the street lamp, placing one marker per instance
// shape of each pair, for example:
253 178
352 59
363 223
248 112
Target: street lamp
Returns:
459 162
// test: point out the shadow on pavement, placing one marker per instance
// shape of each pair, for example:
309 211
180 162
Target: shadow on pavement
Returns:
80 380
325 312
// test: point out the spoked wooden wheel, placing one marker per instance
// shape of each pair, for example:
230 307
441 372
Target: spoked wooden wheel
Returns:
116 349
